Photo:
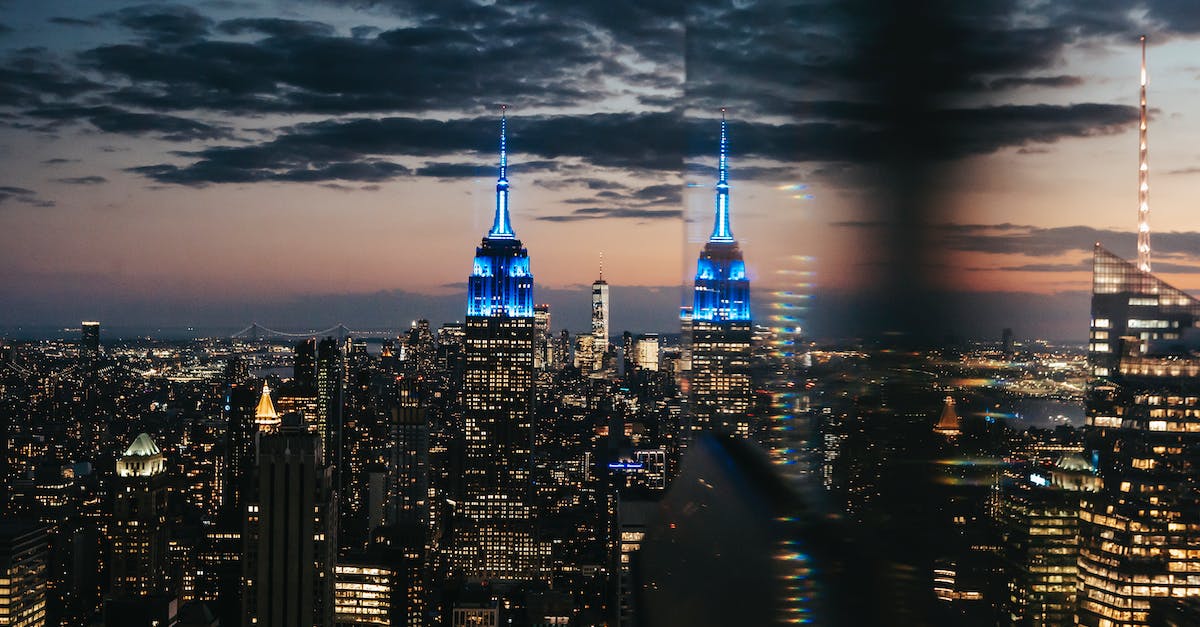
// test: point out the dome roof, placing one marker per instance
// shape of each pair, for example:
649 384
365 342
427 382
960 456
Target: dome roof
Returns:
142 446
1074 462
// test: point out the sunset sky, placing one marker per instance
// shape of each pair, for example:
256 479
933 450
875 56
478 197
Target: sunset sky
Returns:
303 163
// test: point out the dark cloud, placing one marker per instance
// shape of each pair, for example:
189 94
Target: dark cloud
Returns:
638 141
209 171
82 180
163 23
32 76
59 161
276 27
72 21
1033 241
115 120
1005 83
602 213
453 170
23 196
4 28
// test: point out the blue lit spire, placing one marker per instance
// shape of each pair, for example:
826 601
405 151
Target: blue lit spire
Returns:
721 229
501 227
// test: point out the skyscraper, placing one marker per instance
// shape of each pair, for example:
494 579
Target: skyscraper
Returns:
24 558
140 591
138 530
290 537
331 374
599 320
494 534
304 370
89 337
721 394
1139 532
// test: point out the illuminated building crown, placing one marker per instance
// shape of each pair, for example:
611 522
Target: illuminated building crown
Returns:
722 289
501 283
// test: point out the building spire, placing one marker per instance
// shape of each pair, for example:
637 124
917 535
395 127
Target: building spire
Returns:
721 229
1143 259
602 265
265 415
501 226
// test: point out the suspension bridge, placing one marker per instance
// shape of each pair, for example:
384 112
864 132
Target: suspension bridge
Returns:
340 331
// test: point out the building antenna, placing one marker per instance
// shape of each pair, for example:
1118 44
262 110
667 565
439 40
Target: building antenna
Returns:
1143 260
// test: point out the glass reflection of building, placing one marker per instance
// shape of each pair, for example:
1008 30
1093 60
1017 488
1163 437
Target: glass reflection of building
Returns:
1140 533
494 535
720 326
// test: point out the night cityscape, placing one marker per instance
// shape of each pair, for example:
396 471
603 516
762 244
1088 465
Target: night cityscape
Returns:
827 312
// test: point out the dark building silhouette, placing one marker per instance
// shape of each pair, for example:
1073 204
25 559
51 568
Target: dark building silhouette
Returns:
290 536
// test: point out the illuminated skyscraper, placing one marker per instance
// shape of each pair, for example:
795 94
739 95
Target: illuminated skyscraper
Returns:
721 394
24 558
1140 532
138 531
494 533
599 320
543 357
140 590
331 375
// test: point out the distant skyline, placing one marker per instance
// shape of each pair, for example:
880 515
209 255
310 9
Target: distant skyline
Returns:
304 163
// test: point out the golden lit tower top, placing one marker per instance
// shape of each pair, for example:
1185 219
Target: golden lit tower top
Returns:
265 415
1143 249
948 424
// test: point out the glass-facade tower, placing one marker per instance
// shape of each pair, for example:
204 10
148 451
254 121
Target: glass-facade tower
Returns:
1140 533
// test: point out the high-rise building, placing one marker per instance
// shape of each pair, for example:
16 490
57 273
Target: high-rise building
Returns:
721 394
141 589
645 351
138 532
304 370
1139 532
494 530
24 556
240 436
89 340
543 356
331 375
363 594
290 536
600 337
1038 512
265 416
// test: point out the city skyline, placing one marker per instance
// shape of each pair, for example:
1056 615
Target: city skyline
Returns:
176 165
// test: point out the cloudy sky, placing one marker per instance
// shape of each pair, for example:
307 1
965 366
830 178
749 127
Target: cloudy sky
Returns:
303 163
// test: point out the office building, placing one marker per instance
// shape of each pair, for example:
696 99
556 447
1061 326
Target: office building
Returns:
600 333
1140 532
89 337
645 351
494 532
24 556
721 395
138 533
290 537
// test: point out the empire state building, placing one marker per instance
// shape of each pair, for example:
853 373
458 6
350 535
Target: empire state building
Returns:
494 528
721 393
